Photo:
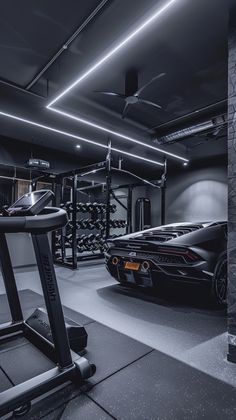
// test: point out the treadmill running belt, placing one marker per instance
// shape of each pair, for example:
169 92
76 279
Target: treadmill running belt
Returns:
4 382
22 361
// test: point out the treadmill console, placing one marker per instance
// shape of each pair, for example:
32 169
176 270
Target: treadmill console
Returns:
30 204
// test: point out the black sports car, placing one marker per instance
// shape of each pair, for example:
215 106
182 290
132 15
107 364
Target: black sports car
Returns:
193 253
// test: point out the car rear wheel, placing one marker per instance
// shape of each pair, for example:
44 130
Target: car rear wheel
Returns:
220 281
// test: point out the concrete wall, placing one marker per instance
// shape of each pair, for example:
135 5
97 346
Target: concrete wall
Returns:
193 195
21 249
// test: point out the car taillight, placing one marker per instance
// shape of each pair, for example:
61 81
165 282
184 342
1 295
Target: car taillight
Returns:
192 256
187 254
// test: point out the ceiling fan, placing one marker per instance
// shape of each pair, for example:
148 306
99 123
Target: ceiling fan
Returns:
132 92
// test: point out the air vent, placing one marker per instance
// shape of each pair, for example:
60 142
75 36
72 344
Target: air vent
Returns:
167 233
212 126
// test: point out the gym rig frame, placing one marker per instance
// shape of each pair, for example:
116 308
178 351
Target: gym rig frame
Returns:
74 181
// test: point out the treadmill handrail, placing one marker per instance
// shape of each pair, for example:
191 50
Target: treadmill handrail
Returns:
51 218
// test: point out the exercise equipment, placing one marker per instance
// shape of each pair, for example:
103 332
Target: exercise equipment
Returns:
46 331
73 238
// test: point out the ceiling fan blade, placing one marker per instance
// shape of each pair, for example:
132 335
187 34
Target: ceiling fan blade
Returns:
143 101
120 95
149 83
125 110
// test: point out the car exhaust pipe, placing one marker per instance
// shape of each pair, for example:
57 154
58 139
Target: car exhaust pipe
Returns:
145 265
115 261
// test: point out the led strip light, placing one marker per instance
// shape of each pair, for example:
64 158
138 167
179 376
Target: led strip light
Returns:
113 51
104 59
79 80
85 140
120 135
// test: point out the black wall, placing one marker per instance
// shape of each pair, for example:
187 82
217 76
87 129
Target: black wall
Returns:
16 153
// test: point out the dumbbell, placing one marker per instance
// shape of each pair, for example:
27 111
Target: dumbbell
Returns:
89 224
87 242
81 240
68 239
102 242
81 249
90 238
113 223
102 208
91 206
112 208
98 241
85 224
57 245
120 223
69 228
80 224
86 207
99 224
97 207
82 207
57 234
117 223
68 206
79 206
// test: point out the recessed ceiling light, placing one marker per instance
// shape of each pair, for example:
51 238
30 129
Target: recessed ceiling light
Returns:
65 133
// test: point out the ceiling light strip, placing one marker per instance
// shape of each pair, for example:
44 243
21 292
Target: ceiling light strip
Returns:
146 23
120 135
65 133
133 34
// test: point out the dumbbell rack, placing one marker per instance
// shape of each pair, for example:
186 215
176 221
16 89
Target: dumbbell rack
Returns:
83 237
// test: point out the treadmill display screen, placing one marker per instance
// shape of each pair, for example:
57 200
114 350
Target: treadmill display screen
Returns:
29 200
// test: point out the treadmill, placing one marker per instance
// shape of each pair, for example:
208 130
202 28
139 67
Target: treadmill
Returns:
39 345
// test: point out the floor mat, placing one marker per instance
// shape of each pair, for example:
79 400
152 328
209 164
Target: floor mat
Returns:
31 300
132 381
110 350
158 387
82 408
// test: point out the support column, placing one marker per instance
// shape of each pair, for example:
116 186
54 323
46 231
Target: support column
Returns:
232 191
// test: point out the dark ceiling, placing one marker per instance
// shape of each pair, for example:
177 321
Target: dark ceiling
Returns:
188 43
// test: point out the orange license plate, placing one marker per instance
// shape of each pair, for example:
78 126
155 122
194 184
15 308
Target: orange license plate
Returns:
132 266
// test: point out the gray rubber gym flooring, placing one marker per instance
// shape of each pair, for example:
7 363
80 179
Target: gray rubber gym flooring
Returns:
176 368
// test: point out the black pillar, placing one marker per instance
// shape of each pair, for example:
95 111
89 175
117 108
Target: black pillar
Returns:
232 190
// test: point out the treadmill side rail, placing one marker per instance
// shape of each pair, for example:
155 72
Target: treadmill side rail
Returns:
69 366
